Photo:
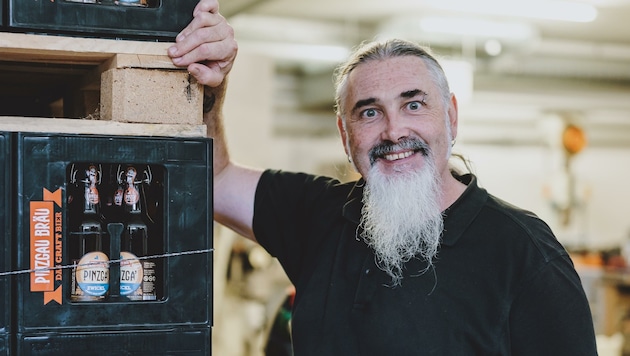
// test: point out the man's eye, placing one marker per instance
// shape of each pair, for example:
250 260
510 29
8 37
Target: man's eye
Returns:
369 113
414 105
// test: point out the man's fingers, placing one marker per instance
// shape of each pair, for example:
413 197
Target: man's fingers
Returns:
206 46
217 47
206 6
212 71
205 29
202 16
206 75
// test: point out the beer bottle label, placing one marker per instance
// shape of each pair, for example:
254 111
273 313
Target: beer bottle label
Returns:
92 273
131 274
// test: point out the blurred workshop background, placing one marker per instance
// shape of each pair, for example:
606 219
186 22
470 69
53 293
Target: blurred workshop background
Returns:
544 91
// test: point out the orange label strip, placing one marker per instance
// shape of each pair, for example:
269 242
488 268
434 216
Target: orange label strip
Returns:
42 246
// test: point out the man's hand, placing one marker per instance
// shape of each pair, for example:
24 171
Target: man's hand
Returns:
206 46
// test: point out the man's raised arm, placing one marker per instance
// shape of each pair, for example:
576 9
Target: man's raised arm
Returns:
207 48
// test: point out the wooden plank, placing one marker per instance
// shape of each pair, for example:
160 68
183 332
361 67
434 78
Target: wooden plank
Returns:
78 126
73 50
153 61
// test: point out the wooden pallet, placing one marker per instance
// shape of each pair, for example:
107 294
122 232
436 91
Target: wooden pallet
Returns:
127 82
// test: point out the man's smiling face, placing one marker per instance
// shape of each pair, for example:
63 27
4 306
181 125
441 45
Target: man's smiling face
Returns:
396 117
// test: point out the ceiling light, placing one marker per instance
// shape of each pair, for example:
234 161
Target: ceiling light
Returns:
493 47
477 28
297 52
540 9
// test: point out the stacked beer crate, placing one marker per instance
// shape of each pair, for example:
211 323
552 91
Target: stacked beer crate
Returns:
105 211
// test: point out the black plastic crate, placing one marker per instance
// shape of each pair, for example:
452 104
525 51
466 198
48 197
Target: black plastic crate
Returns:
4 344
54 184
2 5
157 20
5 241
154 342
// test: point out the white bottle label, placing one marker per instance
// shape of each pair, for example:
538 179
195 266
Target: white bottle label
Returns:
131 273
92 273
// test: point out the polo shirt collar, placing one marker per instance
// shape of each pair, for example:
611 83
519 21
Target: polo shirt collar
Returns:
464 210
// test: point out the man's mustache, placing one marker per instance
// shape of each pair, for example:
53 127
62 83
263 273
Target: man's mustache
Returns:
387 147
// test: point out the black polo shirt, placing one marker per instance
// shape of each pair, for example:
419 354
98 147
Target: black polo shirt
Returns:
501 284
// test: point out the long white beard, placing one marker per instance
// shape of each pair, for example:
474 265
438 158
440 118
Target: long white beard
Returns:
401 217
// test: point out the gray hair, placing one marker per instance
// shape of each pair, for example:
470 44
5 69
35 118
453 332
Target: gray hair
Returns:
369 51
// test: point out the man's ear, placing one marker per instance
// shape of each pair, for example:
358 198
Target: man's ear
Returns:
453 119
343 134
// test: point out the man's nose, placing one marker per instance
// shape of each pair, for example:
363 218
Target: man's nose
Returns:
395 128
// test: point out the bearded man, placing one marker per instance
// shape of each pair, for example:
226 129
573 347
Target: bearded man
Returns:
412 259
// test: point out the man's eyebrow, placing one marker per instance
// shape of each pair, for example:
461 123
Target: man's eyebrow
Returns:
412 93
361 103
406 94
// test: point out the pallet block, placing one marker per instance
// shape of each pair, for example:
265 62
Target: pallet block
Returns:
150 96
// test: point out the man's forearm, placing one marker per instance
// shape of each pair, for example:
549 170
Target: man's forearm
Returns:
213 119
234 185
